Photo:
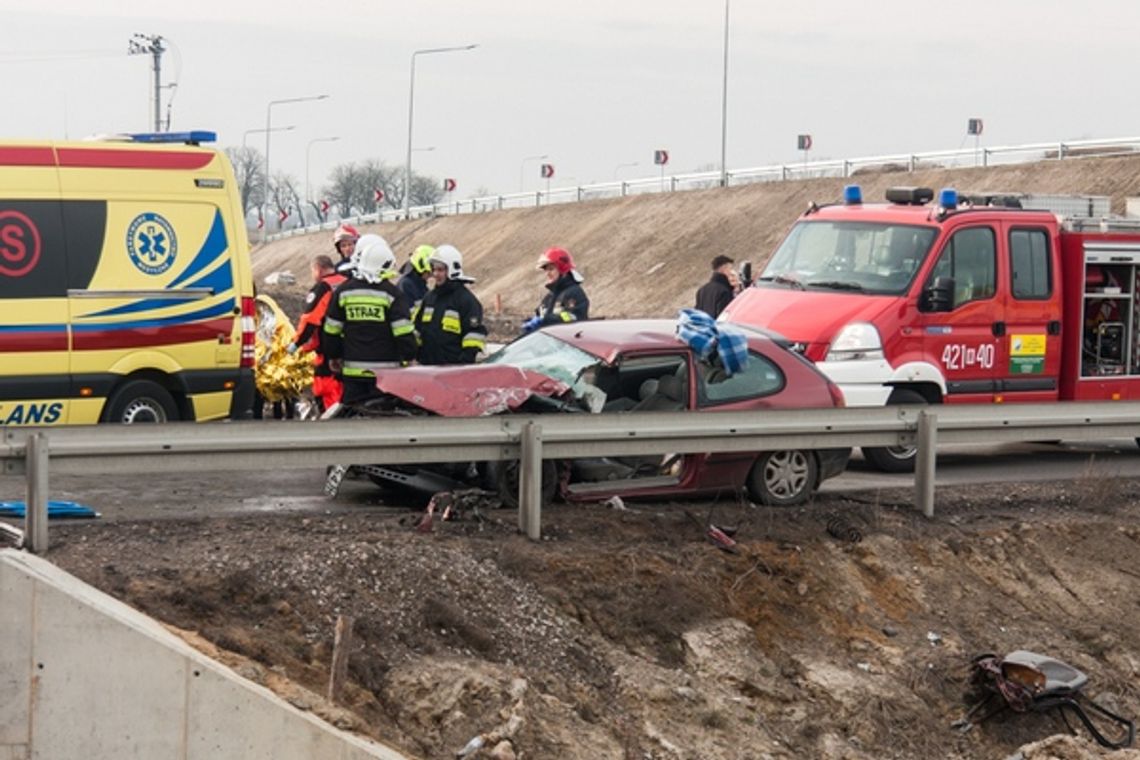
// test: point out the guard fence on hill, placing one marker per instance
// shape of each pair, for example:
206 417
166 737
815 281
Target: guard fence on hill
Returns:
839 168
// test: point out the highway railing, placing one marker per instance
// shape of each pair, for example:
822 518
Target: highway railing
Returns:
959 158
182 447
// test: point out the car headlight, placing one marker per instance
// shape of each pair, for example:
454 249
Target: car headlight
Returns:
858 340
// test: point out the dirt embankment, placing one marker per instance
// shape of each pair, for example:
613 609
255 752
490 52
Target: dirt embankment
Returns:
625 634
645 255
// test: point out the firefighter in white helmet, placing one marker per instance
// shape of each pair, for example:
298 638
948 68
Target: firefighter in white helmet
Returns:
344 241
368 327
449 323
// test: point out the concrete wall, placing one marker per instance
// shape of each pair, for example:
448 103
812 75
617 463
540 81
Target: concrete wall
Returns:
84 676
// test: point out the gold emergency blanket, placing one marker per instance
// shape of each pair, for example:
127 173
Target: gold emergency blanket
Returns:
279 375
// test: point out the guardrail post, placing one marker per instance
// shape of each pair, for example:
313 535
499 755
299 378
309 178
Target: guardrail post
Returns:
846 168
985 156
36 503
500 202
924 462
578 192
911 161
672 184
530 481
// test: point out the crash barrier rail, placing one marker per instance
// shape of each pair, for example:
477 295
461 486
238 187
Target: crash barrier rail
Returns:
960 158
182 447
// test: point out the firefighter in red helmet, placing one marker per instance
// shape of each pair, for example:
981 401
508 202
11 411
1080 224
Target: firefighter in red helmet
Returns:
566 300
344 241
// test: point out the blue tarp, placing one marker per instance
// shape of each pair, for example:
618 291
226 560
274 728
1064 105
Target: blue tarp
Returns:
57 509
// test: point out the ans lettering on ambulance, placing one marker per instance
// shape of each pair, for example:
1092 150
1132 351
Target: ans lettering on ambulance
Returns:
959 298
128 303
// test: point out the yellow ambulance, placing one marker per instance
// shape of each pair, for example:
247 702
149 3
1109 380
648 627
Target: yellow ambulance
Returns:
125 286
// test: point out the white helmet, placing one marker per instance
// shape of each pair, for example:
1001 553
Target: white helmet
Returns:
450 257
372 258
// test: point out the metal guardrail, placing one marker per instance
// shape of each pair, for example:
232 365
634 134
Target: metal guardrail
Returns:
960 158
181 447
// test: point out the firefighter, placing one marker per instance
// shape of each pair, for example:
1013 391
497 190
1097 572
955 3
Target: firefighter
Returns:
566 301
344 241
449 325
326 388
368 327
414 276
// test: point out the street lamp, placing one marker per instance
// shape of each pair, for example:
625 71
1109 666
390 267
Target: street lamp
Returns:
268 132
308 148
724 105
249 132
522 166
411 108
619 167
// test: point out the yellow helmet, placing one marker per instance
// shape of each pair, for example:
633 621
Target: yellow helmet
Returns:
420 258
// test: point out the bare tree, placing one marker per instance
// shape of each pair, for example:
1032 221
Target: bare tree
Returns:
284 194
249 169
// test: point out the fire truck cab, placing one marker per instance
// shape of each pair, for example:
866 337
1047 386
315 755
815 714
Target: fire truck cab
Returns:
964 299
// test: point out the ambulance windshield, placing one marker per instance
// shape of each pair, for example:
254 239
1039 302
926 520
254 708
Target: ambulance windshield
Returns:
880 259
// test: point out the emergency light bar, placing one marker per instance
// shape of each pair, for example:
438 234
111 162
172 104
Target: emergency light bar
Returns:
948 198
852 195
190 138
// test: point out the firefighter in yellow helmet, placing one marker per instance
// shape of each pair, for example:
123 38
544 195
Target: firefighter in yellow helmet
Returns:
449 324
414 276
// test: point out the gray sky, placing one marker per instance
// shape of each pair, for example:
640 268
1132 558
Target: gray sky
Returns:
592 83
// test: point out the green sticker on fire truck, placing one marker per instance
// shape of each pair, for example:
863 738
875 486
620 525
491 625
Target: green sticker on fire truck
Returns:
1026 354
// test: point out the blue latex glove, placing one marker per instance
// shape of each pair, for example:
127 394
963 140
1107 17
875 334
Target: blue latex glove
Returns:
531 324
291 349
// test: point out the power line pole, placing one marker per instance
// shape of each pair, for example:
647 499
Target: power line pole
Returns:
152 44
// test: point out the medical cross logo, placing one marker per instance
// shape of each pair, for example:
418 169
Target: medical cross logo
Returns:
151 243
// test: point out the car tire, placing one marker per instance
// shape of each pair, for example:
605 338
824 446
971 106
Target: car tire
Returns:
505 476
898 459
783 478
140 401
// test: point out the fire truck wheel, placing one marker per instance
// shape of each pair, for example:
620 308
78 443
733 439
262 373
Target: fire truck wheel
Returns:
140 401
895 458
783 478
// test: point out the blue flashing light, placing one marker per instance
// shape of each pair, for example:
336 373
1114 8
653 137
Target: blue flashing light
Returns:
948 197
852 195
191 138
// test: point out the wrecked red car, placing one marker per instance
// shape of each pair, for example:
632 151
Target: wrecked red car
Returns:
616 367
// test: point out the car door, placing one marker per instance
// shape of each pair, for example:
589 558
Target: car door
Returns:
1028 359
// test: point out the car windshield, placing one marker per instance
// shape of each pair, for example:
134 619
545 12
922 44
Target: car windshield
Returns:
858 257
540 352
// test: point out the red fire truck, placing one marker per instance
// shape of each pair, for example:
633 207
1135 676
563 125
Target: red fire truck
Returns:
963 299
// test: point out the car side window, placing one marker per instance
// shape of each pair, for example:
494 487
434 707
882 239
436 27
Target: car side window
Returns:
760 377
970 257
1030 264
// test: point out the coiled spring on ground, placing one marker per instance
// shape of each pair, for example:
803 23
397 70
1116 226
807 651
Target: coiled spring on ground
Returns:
839 528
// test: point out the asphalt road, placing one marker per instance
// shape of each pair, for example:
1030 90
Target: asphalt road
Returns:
300 490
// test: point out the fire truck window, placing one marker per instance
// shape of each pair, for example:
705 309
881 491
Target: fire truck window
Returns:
971 259
1029 263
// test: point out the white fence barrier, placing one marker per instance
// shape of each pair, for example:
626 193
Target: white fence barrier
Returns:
961 158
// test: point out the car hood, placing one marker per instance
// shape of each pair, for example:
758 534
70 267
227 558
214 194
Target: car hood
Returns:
469 390
813 316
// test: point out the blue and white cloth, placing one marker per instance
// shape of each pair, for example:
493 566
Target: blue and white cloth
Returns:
706 336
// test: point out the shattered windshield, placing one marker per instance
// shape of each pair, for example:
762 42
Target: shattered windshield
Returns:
538 352
860 257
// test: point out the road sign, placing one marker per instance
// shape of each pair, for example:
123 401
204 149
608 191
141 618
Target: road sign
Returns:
803 142
377 195
546 171
660 157
282 215
448 185
324 207
974 127
260 221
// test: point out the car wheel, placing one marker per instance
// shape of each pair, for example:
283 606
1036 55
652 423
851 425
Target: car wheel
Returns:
895 458
140 401
783 478
505 476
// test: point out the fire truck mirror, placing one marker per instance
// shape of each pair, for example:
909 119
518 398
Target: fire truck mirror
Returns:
746 274
940 295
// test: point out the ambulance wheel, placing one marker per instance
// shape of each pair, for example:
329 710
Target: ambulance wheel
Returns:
783 478
140 401
895 458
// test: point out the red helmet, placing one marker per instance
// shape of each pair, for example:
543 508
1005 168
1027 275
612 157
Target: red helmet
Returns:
345 232
559 258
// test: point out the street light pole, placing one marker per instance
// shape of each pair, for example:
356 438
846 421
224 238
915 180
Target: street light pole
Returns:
411 110
522 166
249 132
265 180
308 149
724 105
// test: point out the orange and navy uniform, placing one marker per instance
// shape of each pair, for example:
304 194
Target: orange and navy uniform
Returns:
308 338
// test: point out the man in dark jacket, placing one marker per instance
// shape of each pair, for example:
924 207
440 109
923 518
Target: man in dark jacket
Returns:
449 323
715 294
367 327
567 300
